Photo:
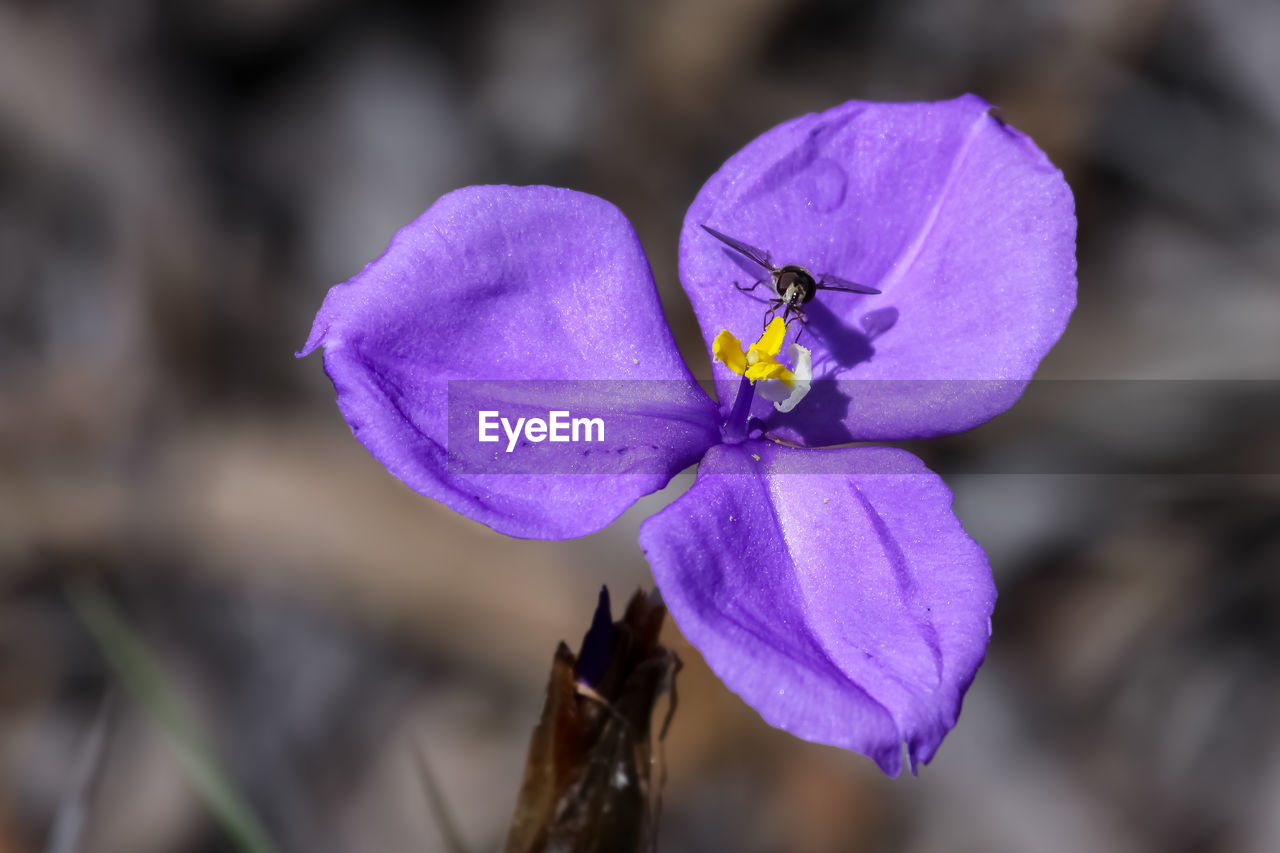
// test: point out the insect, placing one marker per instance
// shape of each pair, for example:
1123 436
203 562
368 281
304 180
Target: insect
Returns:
793 285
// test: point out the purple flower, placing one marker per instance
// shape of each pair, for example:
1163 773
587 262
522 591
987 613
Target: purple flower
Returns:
833 589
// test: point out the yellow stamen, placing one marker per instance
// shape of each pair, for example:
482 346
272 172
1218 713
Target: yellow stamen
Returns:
771 341
728 349
760 364
768 370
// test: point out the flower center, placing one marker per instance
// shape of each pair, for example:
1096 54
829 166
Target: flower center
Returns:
782 386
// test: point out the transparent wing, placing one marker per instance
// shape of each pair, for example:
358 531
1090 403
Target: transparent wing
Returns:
760 256
835 282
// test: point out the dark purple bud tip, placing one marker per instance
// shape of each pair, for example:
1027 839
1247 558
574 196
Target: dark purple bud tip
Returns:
597 644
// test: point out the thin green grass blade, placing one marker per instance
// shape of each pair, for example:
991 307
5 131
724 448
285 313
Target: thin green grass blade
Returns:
145 681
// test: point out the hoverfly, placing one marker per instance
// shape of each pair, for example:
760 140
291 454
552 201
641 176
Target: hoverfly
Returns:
793 285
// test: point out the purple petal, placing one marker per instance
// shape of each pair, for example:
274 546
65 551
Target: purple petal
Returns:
847 607
959 219
512 284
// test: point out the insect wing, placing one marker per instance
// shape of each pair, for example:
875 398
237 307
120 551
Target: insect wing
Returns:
760 256
835 282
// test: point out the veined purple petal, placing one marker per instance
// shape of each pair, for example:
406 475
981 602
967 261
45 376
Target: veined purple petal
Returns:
959 219
514 284
833 590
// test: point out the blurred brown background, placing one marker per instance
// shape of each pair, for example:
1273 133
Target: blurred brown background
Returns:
180 182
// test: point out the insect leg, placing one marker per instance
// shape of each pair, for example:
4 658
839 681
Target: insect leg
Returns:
804 325
774 305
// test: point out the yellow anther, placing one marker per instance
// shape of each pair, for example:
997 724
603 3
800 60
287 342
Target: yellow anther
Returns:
780 385
728 349
771 341
760 361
